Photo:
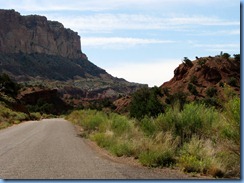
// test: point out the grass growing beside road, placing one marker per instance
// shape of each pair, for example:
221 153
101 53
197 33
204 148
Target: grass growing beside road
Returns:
9 117
197 139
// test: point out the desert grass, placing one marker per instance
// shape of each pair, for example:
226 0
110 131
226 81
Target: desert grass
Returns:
197 139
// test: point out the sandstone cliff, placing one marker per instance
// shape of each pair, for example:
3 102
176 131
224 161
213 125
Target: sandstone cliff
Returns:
42 53
35 34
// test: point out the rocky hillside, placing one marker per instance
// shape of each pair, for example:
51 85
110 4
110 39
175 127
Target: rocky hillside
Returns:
205 77
42 53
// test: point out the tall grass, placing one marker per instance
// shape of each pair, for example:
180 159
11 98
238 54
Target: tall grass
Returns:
196 139
9 117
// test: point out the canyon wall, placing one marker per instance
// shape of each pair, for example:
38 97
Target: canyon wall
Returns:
36 34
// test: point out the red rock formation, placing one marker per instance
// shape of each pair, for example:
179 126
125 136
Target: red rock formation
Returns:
205 72
35 34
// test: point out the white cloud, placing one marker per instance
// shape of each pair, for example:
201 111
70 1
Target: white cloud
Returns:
201 20
219 47
110 22
119 42
154 73
99 5
218 33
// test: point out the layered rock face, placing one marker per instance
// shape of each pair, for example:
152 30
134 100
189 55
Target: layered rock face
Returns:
35 34
42 53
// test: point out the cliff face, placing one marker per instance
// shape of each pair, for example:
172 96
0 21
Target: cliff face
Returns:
35 34
38 52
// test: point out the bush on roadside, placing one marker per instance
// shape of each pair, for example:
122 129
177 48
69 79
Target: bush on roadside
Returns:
160 151
199 155
196 138
9 117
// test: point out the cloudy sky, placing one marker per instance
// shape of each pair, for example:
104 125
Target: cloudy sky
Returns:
143 40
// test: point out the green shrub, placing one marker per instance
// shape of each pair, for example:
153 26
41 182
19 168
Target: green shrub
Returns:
232 81
4 125
201 62
199 156
159 151
8 86
197 138
193 79
211 91
187 62
166 122
231 135
8 116
147 126
35 116
156 158
122 149
193 119
89 119
221 84
103 140
237 57
177 100
192 88
210 102
120 124
145 102
226 55
197 119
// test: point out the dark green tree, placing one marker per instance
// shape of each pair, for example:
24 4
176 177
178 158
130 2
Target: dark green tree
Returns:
211 92
8 87
177 98
145 102
187 61
192 88
226 55
237 57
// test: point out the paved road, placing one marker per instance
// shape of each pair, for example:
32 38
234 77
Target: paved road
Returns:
51 149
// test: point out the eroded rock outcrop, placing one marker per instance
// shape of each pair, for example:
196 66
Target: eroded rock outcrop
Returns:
36 34
204 74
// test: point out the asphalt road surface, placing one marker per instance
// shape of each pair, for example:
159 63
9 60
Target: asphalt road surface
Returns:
51 149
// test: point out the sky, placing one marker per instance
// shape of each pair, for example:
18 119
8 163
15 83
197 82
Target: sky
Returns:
143 41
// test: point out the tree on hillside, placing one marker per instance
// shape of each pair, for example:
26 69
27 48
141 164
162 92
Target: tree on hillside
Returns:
178 99
237 57
226 55
7 86
187 61
145 102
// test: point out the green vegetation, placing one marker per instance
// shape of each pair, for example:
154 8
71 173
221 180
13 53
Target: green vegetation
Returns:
145 103
237 57
7 86
192 88
197 138
201 62
9 117
41 106
232 81
211 92
226 55
187 62
8 92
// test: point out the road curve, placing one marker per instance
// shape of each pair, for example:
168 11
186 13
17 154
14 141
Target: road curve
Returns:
51 149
